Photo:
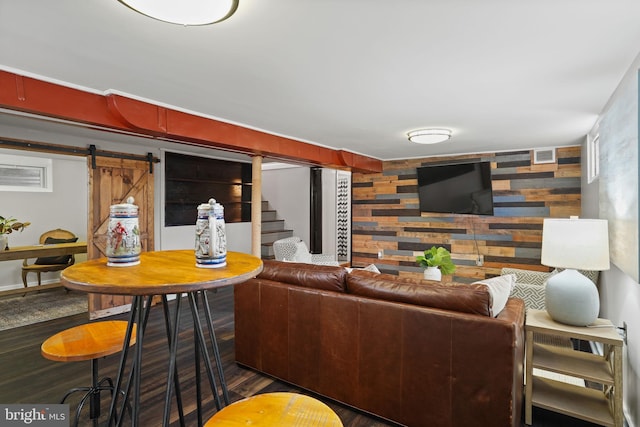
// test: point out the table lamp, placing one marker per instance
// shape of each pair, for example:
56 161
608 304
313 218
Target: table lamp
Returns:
572 244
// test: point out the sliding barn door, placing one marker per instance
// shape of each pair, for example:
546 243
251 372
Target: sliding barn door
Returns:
111 182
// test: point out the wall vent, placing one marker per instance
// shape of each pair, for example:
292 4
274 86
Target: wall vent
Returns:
544 155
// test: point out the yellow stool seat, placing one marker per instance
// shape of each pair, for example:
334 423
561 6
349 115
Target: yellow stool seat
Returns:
90 341
86 342
276 409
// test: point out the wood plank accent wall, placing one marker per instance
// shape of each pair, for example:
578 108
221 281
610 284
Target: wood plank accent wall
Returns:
386 215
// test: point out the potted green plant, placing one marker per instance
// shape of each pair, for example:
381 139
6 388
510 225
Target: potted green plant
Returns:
7 226
436 261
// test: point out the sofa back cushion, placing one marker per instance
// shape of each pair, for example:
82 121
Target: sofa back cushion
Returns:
464 298
324 277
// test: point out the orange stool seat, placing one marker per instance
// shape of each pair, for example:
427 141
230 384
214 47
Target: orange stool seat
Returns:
90 341
277 410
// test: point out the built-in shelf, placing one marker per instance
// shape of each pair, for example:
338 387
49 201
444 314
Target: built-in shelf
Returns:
588 366
575 401
192 180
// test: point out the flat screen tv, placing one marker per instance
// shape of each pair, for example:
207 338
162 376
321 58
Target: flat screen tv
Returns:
462 188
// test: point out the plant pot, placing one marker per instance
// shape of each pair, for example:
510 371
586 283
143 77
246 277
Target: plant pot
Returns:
4 242
433 273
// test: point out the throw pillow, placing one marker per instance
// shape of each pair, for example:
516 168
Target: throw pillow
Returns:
500 288
371 267
538 278
55 260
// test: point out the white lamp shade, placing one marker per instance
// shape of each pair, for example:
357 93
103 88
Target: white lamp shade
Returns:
581 244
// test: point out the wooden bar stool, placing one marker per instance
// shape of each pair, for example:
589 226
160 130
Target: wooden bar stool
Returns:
277 410
88 342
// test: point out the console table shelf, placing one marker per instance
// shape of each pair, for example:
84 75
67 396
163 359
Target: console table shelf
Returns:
588 366
575 401
600 406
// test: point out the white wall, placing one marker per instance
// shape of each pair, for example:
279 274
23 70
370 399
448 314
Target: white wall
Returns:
65 207
287 189
183 237
619 293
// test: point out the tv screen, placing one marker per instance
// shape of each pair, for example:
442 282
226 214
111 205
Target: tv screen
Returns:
463 188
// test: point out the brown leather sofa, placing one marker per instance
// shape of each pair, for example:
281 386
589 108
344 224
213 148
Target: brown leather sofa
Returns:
419 354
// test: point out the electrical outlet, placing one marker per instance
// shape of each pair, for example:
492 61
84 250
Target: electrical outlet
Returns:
480 260
380 253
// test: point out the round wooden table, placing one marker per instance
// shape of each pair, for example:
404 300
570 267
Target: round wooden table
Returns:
162 273
277 410
159 273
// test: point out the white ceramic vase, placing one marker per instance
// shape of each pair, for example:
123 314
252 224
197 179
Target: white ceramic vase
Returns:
433 273
211 238
4 241
123 235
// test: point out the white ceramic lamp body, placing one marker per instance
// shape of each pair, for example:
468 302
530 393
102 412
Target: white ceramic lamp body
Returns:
572 298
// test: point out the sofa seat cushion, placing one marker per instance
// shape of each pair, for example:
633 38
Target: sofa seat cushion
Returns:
314 276
464 298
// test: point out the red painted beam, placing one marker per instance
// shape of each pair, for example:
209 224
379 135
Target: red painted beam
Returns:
121 113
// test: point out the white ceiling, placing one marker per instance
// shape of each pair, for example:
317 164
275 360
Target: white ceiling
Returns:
355 75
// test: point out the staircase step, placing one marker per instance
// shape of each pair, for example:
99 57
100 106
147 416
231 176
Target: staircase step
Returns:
272 236
266 251
269 215
272 230
277 225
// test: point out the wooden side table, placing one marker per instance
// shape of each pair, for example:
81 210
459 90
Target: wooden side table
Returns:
602 407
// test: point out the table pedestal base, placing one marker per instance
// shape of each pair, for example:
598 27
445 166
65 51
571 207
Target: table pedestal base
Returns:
140 309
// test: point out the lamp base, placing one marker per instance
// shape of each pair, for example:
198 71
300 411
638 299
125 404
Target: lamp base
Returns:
572 299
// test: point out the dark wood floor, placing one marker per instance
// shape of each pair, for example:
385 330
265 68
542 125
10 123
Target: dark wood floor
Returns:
26 377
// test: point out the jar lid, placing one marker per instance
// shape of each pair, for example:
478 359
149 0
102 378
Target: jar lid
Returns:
128 206
207 206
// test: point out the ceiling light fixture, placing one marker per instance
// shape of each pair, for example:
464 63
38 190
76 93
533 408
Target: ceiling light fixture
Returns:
429 136
185 12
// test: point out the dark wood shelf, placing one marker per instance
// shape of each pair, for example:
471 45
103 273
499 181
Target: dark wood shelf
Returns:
212 181
191 181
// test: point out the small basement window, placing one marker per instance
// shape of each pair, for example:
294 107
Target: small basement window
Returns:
23 173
